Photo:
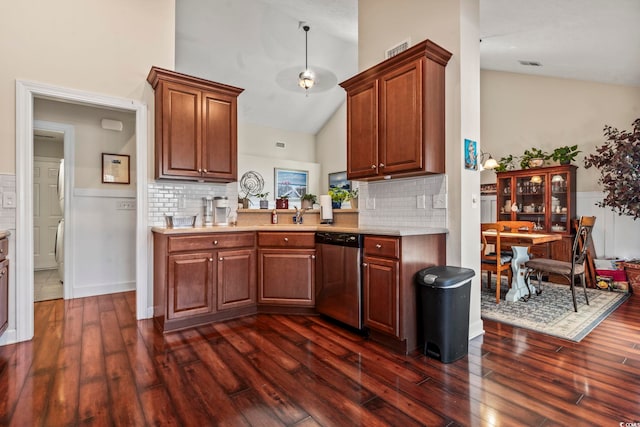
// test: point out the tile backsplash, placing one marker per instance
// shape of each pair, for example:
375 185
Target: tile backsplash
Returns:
185 198
407 202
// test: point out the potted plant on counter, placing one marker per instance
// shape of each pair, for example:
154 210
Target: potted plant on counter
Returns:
338 195
264 203
565 154
308 200
352 197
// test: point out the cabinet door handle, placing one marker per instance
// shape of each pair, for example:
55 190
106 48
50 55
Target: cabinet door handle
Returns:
210 259
220 259
381 165
3 272
313 257
1 251
204 170
286 239
373 166
199 170
364 264
215 242
378 245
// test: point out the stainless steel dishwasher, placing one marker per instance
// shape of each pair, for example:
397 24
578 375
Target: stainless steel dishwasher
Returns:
338 277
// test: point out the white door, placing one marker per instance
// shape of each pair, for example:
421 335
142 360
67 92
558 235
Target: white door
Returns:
46 212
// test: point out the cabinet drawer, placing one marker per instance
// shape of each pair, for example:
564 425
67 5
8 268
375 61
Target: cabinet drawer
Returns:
387 247
285 239
211 241
4 248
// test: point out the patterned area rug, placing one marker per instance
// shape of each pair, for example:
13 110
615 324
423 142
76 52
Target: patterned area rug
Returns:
552 312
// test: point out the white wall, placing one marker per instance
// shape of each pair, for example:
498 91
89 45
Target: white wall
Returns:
102 46
521 111
257 151
331 146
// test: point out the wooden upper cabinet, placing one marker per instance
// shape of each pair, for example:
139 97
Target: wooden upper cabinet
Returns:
362 131
395 115
196 127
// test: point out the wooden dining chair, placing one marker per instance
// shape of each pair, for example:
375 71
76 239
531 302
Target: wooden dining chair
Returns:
495 261
568 269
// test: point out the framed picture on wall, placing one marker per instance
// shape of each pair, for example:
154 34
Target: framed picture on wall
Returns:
339 180
470 155
115 168
291 183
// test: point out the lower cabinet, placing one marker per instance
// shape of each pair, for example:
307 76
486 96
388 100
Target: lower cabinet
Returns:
190 285
201 278
236 279
389 268
287 277
381 294
286 269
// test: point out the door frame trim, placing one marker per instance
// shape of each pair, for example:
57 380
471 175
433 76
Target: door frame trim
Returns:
26 92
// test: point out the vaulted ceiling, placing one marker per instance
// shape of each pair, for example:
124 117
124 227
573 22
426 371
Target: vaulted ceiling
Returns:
258 45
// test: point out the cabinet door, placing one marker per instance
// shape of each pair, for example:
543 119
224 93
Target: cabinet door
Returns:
504 198
401 120
236 278
181 131
4 295
381 288
287 277
531 198
190 285
560 215
362 131
219 139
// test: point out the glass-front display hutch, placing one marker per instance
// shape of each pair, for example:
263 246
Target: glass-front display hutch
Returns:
545 196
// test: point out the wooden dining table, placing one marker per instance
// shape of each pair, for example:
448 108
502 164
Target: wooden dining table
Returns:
520 243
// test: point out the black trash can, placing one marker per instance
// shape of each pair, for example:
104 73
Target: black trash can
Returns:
444 294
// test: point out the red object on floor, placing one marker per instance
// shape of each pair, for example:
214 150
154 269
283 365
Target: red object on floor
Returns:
616 275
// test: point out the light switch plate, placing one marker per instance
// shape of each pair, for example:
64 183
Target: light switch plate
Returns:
9 199
126 205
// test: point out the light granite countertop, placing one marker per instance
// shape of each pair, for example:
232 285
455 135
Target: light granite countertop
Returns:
386 231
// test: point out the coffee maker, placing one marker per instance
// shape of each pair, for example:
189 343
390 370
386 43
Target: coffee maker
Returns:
216 210
221 210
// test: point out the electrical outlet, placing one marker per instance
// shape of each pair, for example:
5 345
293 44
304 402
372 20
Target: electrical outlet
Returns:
9 199
440 201
126 205
371 203
421 201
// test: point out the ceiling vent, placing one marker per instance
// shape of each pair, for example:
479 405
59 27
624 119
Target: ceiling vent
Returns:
530 63
393 51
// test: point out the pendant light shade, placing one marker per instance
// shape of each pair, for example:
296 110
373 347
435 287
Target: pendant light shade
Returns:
307 78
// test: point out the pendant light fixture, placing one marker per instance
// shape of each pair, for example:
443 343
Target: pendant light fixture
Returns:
306 79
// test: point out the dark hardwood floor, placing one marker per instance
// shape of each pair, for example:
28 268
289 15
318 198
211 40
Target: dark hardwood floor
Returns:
92 363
